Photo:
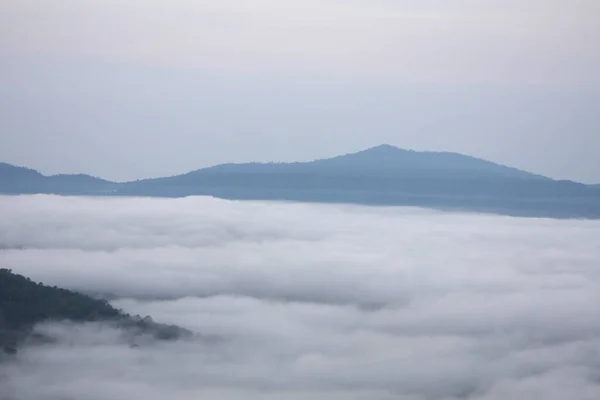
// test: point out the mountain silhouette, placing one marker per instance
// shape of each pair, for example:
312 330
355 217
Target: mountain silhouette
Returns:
21 180
385 160
382 175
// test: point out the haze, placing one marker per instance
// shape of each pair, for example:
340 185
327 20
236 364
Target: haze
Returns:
299 301
132 89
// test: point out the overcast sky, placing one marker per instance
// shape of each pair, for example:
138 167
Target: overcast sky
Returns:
126 89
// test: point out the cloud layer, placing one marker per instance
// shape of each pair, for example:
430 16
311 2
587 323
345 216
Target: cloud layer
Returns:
310 301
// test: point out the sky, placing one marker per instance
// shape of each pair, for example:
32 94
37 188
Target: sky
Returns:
293 301
126 89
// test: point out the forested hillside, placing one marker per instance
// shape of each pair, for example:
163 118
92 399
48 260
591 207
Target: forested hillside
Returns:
23 303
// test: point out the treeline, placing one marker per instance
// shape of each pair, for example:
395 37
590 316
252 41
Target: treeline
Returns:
24 303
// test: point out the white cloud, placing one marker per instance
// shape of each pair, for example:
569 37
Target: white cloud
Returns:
311 301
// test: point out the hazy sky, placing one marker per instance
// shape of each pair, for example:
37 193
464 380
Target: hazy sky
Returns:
309 301
135 88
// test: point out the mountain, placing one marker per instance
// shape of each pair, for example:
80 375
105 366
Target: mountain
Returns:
24 303
382 175
387 160
21 180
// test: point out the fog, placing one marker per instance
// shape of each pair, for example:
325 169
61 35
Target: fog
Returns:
308 301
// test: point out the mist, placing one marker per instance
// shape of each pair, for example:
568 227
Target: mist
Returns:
306 301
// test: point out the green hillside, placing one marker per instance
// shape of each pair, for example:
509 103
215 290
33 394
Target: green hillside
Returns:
23 303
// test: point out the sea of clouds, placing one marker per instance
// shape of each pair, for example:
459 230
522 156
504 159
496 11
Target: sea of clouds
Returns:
303 301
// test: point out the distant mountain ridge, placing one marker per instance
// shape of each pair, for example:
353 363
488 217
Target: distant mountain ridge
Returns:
382 175
387 159
22 180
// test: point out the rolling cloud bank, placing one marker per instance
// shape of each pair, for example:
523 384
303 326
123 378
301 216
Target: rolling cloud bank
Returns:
303 301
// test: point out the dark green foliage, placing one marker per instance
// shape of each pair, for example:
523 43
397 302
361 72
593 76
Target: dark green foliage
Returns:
23 303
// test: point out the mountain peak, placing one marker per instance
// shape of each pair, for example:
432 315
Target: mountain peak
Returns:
383 151
387 159
384 148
